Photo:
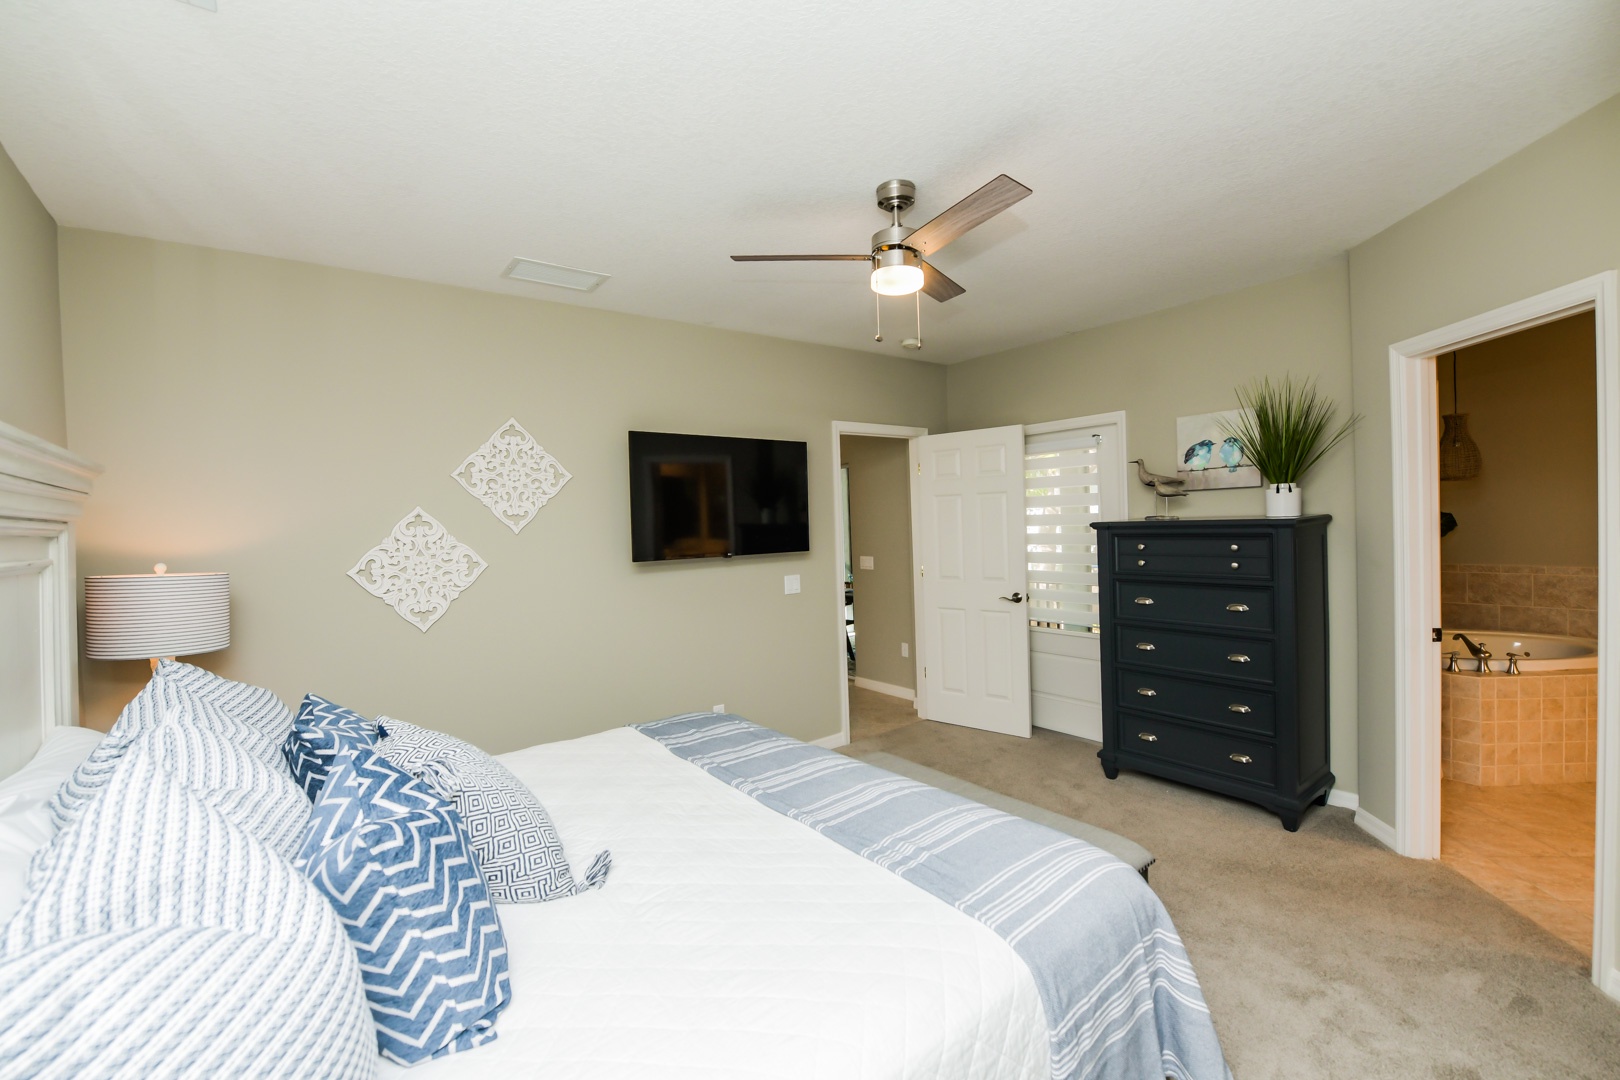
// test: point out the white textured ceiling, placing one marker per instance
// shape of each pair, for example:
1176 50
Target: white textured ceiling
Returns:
1177 149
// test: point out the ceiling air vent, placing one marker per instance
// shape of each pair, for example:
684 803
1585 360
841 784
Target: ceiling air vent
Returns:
551 274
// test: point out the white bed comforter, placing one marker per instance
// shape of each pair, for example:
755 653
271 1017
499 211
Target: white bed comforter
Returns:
730 941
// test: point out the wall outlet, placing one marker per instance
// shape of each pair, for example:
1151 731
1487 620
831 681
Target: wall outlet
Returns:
790 584
720 707
866 562
905 648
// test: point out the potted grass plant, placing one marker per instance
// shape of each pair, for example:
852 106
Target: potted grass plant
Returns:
1285 428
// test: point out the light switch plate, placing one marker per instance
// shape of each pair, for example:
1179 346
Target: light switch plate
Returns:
866 562
790 584
905 648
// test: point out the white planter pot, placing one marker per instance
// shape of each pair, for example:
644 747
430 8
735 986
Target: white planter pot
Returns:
1284 500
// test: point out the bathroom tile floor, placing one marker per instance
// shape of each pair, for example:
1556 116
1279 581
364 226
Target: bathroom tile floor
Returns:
1530 846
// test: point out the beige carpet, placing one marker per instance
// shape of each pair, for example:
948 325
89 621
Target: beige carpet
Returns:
1321 953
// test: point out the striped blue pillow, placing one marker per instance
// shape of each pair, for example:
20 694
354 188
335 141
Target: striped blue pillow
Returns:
392 856
321 730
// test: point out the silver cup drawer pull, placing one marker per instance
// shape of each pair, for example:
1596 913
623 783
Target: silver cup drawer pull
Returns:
1147 691
1141 562
1146 737
1241 759
1234 547
1239 709
1231 607
1234 566
1148 600
1238 658
1146 646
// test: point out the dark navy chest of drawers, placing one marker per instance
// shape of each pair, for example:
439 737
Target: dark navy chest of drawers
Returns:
1214 656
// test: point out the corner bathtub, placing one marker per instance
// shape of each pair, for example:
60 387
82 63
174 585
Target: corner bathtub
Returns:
1543 652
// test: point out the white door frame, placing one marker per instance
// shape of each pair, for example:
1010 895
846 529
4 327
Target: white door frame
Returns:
1414 426
840 428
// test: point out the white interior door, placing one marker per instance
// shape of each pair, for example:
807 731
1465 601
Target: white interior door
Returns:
972 577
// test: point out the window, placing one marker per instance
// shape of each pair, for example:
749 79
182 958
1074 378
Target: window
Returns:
1064 477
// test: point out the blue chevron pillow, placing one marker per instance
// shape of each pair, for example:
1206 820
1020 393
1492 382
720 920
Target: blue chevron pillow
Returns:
393 857
321 730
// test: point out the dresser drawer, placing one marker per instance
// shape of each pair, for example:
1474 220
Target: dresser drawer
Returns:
1225 755
1230 607
1227 706
1229 547
1208 654
1253 568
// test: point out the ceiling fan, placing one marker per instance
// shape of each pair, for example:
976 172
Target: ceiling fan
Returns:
897 257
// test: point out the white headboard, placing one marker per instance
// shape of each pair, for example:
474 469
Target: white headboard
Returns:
42 489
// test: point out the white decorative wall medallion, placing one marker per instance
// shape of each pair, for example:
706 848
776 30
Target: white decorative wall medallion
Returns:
419 569
512 475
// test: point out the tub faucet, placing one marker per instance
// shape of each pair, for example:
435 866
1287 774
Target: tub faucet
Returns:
1478 652
1451 661
1513 661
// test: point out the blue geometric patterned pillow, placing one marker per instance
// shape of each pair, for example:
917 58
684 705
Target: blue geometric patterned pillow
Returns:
393 858
320 731
517 846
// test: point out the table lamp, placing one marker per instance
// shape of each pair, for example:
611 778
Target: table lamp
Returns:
156 616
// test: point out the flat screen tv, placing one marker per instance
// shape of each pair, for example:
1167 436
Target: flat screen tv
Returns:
712 497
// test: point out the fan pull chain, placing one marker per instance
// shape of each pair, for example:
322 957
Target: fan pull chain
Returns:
877 304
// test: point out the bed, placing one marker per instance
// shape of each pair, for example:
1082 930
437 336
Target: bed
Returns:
748 926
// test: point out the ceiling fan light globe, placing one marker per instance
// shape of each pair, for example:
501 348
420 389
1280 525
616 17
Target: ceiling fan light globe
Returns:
899 280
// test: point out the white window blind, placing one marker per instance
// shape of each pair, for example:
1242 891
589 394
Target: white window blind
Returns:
1063 477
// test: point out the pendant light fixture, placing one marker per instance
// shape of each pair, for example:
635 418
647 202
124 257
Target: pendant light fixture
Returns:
1459 455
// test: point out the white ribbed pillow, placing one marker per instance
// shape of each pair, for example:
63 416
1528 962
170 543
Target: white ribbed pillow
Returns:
139 716
212 757
160 939
252 705
176 1001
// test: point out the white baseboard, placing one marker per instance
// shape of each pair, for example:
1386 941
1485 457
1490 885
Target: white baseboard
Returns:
1347 799
885 688
830 742
1378 830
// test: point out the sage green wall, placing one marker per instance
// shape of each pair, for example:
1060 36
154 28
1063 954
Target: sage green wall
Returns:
880 526
274 419
1547 216
1531 401
30 319
1184 361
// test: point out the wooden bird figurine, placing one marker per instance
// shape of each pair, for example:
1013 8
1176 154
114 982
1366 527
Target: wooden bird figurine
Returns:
1167 487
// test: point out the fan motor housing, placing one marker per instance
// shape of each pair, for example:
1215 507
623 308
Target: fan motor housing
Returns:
893 236
896 196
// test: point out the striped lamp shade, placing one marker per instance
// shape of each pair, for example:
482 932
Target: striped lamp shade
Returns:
145 616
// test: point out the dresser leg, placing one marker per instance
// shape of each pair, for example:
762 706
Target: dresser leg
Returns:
1290 819
1321 800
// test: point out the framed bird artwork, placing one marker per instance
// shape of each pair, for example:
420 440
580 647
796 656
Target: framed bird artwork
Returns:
1207 457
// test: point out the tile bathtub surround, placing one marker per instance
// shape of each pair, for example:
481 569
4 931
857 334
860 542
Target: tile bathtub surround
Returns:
1526 599
1506 730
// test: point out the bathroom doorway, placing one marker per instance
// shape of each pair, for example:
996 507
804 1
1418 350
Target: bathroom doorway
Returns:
1518 472
1415 407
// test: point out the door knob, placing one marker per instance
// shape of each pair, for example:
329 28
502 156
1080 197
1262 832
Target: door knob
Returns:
1015 598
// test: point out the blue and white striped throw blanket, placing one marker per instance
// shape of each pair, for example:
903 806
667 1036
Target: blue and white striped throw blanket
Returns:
1120 994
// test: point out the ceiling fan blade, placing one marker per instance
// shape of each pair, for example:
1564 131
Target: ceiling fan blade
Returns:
801 258
939 286
972 211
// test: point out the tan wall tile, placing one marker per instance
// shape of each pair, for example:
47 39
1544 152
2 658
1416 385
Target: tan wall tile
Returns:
1467 617
1564 591
1511 589
1530 620
1583 622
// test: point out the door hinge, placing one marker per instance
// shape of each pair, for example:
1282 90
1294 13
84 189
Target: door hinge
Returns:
922 571
1436 634
919 468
